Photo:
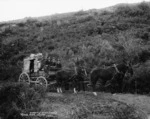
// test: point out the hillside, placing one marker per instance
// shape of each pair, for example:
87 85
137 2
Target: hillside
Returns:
99 37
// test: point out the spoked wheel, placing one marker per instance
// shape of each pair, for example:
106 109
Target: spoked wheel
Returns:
24 78
42 82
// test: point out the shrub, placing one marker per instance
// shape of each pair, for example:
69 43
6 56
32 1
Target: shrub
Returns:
127 112
144 55
80 13
135 10
10 73
17 98
140 80
145 7
21 24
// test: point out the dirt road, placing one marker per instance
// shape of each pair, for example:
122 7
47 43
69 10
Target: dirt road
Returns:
85 104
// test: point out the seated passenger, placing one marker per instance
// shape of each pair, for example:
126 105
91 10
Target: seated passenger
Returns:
58 64
53 62
49 61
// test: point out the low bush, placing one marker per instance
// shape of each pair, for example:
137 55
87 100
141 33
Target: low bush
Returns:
141 78
16 98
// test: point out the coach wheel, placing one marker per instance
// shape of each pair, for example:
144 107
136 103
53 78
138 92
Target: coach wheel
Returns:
41 81
24 78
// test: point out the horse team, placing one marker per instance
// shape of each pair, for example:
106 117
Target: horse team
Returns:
106 78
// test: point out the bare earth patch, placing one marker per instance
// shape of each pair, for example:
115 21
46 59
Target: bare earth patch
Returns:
140 101
85 105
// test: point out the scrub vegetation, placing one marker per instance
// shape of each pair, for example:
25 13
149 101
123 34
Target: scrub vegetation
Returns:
99 37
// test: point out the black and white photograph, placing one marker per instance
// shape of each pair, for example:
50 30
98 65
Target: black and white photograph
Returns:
74 59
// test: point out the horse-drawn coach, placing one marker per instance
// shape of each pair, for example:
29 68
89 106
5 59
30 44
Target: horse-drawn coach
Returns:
40 70
49 72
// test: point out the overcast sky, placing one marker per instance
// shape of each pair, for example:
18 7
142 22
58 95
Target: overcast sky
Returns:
16 9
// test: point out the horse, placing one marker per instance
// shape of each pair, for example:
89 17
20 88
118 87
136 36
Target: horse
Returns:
79 78
109 74
75 78
53 73
63 78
